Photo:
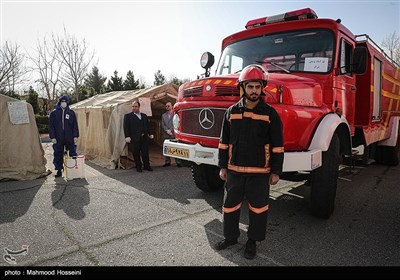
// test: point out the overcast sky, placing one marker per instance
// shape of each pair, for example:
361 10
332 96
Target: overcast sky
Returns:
144 36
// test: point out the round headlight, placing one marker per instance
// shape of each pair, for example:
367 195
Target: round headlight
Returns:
206 60
176 121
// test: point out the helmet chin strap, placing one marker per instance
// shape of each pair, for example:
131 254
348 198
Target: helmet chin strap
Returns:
249 103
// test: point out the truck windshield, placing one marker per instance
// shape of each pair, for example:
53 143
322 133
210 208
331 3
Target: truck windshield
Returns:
308 50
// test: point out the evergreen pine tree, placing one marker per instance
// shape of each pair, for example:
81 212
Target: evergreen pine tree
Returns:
33 100
159 79
115 83
96 81
130 83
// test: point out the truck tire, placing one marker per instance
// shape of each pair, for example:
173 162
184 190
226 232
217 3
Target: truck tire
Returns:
324 181
206 177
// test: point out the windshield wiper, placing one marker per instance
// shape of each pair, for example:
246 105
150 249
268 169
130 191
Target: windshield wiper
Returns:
280 67
276 65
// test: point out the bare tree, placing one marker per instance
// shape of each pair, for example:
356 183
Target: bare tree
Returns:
12 69
174 79
392 45
397 56
76 58
48 67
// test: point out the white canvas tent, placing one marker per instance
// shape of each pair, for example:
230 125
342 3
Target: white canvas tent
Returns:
100 120
21 151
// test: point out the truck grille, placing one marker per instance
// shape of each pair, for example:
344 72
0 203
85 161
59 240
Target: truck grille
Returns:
193 91
226 90
219 91
206 122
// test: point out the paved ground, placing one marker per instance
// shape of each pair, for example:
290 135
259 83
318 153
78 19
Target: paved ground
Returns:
124 218
112 217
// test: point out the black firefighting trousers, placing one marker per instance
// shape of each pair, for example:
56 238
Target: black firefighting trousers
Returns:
256 190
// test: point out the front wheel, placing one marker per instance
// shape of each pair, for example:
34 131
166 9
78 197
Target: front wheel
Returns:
206 177
324 181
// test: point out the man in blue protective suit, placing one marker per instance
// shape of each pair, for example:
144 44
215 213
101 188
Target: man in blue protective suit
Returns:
63 132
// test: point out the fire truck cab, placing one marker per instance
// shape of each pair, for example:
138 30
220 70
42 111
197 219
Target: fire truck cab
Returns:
334 91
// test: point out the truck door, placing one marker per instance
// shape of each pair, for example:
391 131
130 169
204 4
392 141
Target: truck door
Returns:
347 85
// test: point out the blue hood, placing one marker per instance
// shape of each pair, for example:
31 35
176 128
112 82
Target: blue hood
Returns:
64 97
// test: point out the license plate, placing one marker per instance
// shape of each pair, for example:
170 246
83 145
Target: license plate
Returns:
176 152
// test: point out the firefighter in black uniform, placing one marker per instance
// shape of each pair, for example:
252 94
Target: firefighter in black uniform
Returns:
250 158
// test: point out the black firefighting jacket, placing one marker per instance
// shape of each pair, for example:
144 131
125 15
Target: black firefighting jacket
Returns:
251 141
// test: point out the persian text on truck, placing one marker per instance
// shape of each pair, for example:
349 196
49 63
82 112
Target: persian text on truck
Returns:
333 90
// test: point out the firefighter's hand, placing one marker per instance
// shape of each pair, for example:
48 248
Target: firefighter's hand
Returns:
273 179
75 140
128 140
223 174
151 136
54 140
169 132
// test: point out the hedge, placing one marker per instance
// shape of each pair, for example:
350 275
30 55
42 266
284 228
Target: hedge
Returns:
42 123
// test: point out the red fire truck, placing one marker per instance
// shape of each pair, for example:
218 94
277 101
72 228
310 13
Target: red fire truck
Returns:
334 91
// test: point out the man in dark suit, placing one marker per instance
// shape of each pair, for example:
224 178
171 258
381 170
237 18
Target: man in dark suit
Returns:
136 131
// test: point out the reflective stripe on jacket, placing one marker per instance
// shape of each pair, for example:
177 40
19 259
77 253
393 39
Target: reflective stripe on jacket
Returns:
251 140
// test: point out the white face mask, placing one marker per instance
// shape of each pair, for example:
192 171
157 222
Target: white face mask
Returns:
63 105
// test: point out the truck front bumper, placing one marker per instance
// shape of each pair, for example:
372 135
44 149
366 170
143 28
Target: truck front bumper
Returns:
293 161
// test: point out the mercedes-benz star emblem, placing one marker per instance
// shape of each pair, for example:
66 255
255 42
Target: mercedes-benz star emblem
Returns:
206 118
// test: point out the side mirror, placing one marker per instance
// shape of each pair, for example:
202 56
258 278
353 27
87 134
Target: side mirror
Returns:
359 63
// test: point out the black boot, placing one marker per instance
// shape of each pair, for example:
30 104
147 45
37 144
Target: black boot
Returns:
250 250
59 173
222 245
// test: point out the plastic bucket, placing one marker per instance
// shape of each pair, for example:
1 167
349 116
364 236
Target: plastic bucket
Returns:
74 167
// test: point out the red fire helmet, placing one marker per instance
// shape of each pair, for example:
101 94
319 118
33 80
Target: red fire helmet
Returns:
253 72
